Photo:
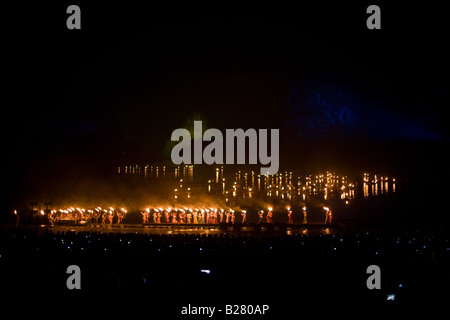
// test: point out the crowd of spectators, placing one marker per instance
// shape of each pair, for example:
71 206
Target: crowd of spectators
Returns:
298 267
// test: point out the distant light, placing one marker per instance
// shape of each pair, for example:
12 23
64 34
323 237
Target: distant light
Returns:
391 297
400 285
205 271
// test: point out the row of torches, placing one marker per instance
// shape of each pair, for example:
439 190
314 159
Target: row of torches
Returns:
214 215
170 215
82 214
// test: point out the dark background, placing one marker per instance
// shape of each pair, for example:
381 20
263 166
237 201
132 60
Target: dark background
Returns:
78 103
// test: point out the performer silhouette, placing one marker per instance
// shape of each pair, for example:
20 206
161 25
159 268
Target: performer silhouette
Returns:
291 221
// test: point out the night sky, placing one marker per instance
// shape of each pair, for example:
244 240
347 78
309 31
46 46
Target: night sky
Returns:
84 101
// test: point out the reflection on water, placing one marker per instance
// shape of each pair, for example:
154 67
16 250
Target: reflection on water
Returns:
206 230
377 187
285 186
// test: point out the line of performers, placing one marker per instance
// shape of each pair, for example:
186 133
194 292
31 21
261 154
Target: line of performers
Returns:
328 215
217 216
190 216
93 216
